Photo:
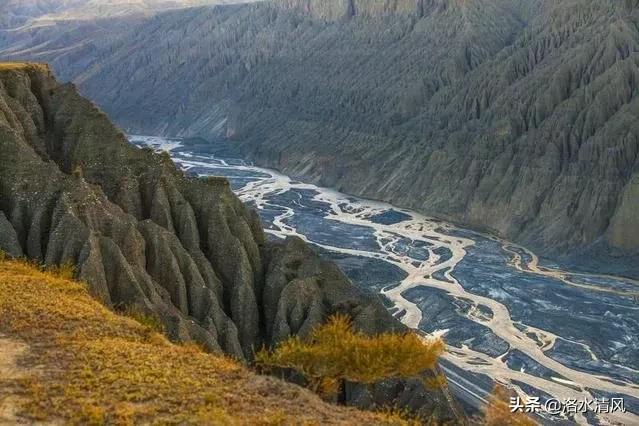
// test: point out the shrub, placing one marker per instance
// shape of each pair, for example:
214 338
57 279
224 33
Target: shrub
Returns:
165 157
335 353
66 270
498 412
437 382
77 172
215 181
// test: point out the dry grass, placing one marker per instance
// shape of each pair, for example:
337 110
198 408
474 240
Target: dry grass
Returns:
335 352
498 412
11 66
89 365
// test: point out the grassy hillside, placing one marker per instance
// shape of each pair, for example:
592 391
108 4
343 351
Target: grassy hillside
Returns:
64 357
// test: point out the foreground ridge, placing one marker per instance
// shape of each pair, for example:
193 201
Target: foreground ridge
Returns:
64 357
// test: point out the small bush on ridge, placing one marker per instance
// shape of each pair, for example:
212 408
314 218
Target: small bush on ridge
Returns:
336 353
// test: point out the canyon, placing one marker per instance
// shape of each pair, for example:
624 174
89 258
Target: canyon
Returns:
518 118
146 238
506 317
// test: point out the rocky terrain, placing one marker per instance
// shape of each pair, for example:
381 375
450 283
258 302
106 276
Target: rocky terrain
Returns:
74 190
517 117
146 238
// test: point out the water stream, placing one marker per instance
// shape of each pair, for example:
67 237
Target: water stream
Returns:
504 315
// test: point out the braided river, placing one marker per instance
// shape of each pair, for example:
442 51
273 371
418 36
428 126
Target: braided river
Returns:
506 316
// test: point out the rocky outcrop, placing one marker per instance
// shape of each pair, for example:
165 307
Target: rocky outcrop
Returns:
144 236
147 238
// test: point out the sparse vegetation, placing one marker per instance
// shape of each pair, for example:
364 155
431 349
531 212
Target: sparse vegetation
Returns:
66 270
165 157
9 66
335 353
498 412
97 367
215 180
438 381
77 172
152 322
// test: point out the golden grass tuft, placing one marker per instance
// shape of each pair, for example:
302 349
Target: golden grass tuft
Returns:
437 382
78 172
335 352
88 365
66 270
17 66
498 412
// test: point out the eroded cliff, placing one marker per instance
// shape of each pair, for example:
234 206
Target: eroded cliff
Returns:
344 9
147 239
515 117
144 236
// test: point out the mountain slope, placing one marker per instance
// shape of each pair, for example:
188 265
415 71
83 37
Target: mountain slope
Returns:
146 238
517 117
46 12
140 232
65 358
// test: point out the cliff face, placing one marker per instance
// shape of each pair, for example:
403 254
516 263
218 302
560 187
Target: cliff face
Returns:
518 117
530 131
144 236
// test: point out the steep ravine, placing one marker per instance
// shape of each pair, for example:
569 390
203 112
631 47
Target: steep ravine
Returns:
146 237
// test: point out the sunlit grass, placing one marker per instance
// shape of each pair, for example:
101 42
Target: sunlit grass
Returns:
89 365
498 412
8 66
335 352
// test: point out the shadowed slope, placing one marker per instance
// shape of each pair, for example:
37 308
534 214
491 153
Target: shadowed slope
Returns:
518 117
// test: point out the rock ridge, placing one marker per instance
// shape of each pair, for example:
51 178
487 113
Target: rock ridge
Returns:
145 236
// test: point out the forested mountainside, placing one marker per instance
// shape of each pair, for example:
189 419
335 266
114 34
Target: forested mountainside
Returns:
146 238
518 117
